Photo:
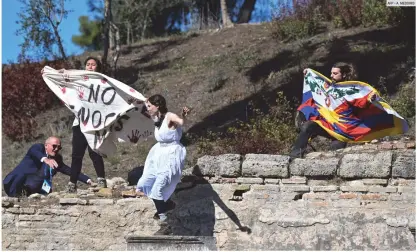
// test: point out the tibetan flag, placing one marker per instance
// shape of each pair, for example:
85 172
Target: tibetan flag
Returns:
346 111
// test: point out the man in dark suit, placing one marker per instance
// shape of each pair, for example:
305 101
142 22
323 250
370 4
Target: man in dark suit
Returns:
40 164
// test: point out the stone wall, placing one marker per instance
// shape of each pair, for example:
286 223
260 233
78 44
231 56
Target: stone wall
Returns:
360 198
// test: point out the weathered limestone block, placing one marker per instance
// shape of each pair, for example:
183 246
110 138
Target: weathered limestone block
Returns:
226 165
8 220
250 180
72 201
266 166
366 165
294 180
101 202
405 164
314 167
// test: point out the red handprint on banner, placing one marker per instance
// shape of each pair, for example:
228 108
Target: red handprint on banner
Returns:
80 92
135 136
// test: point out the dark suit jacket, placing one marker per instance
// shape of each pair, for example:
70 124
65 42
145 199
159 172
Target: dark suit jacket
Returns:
31 165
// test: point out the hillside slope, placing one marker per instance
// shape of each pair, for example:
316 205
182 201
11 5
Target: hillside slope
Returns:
219 73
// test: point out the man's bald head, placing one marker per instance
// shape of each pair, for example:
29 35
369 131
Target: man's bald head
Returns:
52 146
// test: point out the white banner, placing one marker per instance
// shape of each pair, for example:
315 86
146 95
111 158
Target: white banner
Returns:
107 109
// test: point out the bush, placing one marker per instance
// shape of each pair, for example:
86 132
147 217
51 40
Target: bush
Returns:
24 95
304 19
269 133
300 22
375 12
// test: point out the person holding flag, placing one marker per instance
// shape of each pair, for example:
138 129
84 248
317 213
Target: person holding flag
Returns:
343 110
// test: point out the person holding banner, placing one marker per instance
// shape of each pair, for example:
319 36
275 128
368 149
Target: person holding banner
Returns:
165 161
34 173
106 111
80 144
343 110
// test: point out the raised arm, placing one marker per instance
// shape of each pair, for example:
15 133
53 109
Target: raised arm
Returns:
175 119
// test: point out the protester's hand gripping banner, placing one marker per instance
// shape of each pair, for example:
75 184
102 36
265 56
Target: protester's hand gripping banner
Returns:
350 111
107 109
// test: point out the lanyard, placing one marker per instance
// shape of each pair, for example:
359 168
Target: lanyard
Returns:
50 172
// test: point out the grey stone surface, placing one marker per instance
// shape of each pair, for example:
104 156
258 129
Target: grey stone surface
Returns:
250 180
266 166
101 202
72 201
366 165
246 216
375 181
294 180
330 188
380 189
295 188
171 243
405 164
271 181
227 165
314 167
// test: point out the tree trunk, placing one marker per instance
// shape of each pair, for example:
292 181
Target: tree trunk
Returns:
246 10
128 33
145 25
225 15
106 30
116 50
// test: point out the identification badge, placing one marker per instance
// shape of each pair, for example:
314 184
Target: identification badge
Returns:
46 187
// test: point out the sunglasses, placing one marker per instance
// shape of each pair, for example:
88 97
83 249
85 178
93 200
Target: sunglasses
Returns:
56 147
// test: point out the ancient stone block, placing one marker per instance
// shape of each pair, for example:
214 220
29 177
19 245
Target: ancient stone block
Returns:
365 165
314 167
267 166
227 165
250 180
72 201
405 164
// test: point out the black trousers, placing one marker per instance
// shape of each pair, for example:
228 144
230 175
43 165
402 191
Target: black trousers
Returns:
79 144
311 129
162 206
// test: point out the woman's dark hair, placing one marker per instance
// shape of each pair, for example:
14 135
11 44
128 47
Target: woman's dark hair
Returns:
159 101
347 69
98 68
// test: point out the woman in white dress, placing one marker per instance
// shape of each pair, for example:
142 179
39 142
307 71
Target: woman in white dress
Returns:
165 160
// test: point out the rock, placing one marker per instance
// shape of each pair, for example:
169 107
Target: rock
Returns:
314 167
105 192
53 195
265 166
226 165
364 165
115 181
405 164
72 201
36 196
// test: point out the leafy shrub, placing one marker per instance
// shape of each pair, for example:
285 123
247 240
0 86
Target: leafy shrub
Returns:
375 12
296 23
404 101
24 95
304 18
269 133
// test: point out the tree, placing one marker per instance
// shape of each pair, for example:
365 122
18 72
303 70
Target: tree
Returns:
106 30
245 12
39 21
225 14
90 38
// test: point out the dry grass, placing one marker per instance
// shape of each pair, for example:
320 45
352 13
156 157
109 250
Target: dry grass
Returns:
216 74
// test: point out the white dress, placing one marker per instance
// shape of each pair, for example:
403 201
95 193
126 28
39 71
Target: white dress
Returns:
164 163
